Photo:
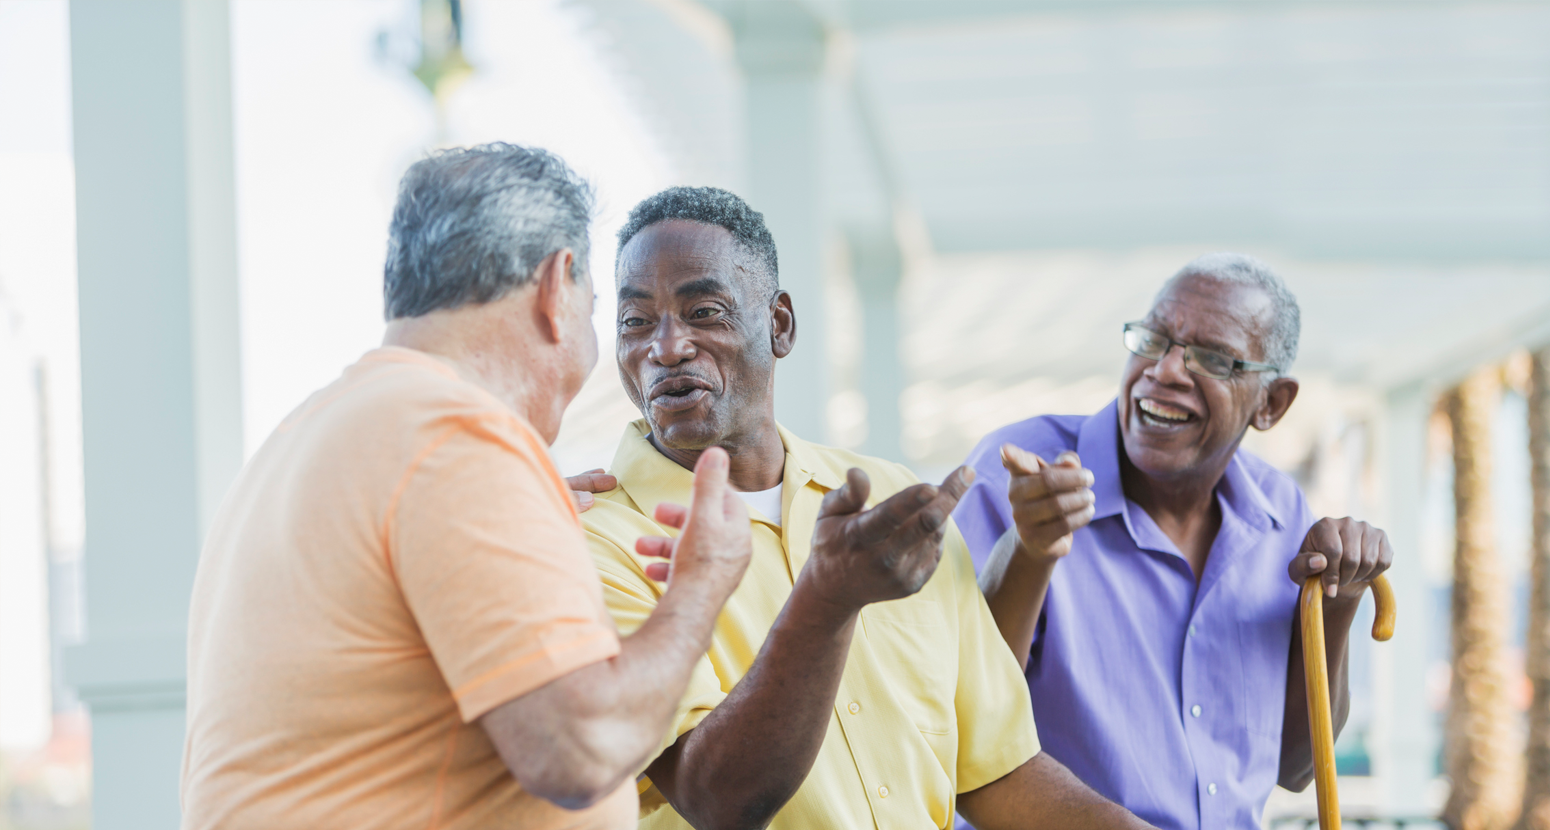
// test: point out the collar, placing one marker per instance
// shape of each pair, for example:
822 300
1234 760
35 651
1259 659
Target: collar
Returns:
1098 444
651 478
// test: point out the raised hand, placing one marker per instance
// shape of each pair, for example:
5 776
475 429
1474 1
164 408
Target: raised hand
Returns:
583 485
865 556
1049 501
715 545
1347 552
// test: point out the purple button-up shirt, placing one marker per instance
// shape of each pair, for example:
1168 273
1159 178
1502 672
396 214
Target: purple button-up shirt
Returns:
1163 696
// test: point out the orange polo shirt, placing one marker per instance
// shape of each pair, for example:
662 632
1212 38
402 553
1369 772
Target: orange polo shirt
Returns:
398 559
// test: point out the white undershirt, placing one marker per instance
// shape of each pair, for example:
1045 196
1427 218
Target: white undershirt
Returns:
764 501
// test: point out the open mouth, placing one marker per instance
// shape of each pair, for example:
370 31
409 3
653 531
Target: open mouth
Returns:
674 394
1159 414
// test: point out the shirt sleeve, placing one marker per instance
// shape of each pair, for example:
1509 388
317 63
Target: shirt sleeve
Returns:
492 564
996 732
631 597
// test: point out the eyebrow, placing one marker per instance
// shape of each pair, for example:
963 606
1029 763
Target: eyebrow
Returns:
629 292
703 285
1213 345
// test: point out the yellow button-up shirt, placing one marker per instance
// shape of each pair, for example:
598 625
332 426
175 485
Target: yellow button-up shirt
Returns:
931 703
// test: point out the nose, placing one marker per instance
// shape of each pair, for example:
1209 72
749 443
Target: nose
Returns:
670 344
1170 369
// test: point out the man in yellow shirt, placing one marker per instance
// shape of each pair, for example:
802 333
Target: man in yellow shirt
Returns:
851 681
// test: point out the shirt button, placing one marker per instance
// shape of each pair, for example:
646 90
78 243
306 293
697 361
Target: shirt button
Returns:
1211 788
1191 629
854 707
882 792
1195 710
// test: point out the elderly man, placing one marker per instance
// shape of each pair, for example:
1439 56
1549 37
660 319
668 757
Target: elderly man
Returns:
856 678
395 622
1160 640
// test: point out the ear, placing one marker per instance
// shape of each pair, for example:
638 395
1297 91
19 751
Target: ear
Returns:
783 325
554 294
1278 399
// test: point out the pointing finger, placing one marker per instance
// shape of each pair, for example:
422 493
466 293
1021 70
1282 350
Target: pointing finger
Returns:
1019 461
956 484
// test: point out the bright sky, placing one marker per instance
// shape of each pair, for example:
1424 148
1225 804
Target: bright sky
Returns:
327 119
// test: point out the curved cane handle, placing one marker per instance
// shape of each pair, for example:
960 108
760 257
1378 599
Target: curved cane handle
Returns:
1316 672
1383 600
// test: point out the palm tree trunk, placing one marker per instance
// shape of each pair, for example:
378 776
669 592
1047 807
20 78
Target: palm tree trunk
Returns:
1536 791
1481 759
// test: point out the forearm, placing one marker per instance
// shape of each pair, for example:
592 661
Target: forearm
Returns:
740 765
1042 793
1015 587
1296 770
578 738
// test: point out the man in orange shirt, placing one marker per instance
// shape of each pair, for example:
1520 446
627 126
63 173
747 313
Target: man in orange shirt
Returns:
395 621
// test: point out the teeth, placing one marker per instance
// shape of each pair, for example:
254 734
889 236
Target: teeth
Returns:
1161 412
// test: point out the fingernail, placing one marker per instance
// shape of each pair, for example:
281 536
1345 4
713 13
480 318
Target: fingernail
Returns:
1316 562
1331 590
1089 477
585 499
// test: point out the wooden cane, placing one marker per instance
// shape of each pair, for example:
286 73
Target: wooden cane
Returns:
1316 671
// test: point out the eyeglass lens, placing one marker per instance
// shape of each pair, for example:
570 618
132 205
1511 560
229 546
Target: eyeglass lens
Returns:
1153 346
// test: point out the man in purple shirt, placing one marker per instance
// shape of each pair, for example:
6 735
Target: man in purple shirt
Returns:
1163 653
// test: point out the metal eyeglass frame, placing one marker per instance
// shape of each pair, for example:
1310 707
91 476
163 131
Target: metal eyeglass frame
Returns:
1191 363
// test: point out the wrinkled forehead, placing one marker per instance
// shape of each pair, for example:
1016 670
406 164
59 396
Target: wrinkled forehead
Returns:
1206 311
668 254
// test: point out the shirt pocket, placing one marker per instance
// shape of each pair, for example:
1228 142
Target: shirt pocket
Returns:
916 650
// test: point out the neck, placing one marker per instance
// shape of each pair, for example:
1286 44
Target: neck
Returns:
1180 498
489 355
758 458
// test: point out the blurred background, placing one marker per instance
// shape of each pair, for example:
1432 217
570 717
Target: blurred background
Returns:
970 197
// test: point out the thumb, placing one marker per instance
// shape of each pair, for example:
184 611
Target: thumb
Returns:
850 498
1068 459
710 484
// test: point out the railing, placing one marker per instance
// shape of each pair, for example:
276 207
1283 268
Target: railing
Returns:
1363 821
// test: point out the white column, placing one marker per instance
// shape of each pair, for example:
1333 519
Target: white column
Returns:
780 47
161 402
1405 737
876 267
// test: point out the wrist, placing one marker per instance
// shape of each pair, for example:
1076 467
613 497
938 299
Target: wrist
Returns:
810 605
1032 556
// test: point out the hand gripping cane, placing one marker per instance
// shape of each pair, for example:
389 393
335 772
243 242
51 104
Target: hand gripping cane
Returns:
1316 671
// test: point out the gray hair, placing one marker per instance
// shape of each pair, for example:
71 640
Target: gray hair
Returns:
1280 347
712 206
474 223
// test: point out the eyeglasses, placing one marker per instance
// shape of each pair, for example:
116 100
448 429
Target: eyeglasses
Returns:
1204 362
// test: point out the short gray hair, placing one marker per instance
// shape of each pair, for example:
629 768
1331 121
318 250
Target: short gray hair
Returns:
711 206
1280 347
473 223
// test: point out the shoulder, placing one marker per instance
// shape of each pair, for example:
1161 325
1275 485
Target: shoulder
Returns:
1270 480
1044 435
1279 489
